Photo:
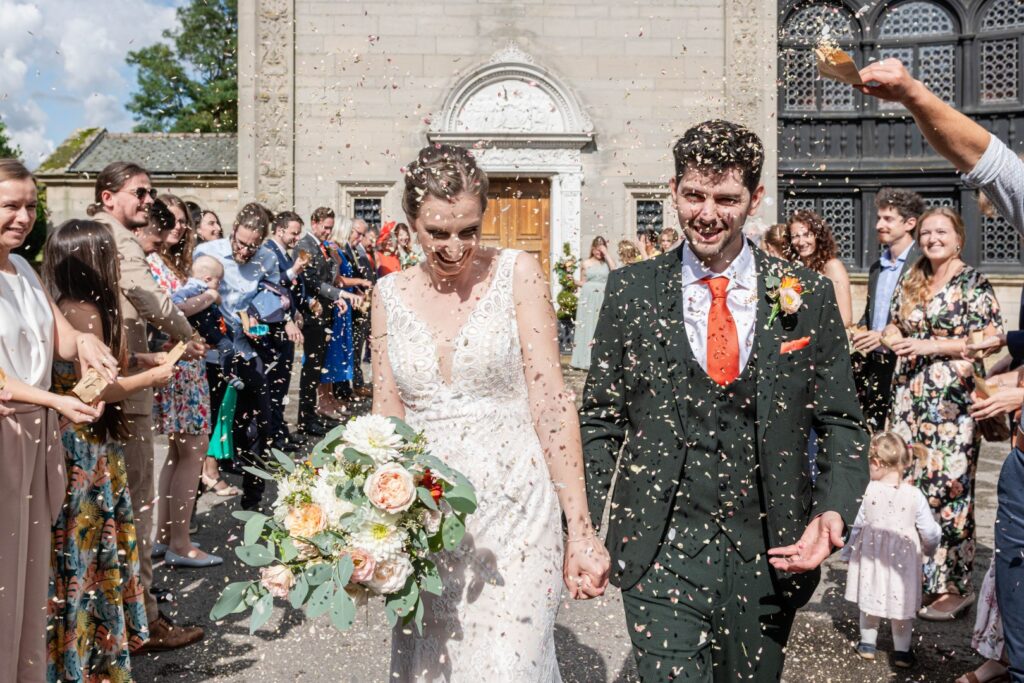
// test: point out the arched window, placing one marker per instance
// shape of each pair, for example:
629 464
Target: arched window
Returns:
802 90
922 35
1000 33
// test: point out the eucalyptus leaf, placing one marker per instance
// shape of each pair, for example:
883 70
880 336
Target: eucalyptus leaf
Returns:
254 527
404 601
426 498
430 581
403 429
318 573
286 462
261 611
343 570
243 515
418 617
262 474
254 555
288 550
230 600
320 601
354 456
462 498
343 611
452 531
299 591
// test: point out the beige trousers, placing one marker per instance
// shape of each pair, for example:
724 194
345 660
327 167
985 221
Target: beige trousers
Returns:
31 474
138 460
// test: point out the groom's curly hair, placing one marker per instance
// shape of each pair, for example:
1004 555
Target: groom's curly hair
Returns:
716 146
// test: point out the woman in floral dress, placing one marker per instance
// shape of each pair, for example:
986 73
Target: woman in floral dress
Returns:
181 410
938 303
96 611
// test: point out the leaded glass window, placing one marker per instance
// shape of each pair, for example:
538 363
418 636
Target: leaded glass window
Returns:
368 209
803 90
999 49
922 35
650 214
1000 242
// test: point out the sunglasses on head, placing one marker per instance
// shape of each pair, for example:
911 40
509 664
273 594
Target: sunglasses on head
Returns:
141 192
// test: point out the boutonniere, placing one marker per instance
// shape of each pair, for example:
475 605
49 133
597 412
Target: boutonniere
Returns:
786 293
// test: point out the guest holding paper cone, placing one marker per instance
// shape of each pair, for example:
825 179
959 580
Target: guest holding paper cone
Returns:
32 474
94 540
939 301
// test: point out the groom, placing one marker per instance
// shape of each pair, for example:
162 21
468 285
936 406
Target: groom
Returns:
715 529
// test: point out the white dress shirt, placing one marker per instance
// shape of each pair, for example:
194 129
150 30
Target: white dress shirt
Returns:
741 299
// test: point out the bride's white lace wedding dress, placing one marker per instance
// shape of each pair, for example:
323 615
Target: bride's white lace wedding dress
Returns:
495 619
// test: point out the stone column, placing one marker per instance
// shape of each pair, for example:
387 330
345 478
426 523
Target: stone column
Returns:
266 102
569 211
751 60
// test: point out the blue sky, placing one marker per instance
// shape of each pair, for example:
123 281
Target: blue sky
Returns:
62 65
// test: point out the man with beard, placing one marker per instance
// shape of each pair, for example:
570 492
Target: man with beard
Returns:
247 265
123 197
711 364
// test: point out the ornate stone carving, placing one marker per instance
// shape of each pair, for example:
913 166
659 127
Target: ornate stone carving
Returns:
528 159
274 122
510 106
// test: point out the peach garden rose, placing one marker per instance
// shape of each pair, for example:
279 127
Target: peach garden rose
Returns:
277 579
305 521
391 488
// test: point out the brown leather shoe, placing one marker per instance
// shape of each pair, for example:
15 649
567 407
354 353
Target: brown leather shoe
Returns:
164 635
363 392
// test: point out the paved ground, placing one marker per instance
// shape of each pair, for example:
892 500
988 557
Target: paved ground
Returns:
591 637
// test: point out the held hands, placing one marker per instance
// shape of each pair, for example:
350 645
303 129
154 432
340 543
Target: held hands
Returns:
586 566
824 533
93 353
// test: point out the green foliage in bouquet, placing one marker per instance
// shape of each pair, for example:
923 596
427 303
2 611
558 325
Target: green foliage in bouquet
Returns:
565 269
361 517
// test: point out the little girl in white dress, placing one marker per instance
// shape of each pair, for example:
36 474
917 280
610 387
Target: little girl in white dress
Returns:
893 532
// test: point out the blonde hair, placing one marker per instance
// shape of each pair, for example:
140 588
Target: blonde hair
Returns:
777 237
917 283
628 253
891 451
207 266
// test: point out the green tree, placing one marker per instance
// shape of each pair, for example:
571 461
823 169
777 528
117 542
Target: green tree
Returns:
190 84
8 150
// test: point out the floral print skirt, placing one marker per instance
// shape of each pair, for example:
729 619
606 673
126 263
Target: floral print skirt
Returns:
96 610
183 406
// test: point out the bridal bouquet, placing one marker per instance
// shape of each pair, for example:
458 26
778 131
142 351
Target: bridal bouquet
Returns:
361 517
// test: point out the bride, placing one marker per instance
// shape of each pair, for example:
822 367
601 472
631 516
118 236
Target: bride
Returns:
465 348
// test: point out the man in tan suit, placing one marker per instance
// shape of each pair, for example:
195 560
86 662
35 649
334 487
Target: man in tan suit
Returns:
124 195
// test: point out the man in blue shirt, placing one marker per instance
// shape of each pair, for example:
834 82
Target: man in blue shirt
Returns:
898 211
246 263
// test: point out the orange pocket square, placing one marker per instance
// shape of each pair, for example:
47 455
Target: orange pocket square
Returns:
795 344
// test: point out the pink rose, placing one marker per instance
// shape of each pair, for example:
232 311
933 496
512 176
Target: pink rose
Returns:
363 563
277 579
391 488
390 576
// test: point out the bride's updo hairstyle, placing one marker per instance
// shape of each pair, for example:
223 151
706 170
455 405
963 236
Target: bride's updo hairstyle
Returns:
444 172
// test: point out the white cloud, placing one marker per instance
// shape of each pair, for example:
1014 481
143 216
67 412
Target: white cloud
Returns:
26 126
106 111
76 49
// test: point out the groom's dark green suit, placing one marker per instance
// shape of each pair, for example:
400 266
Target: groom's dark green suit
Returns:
711 477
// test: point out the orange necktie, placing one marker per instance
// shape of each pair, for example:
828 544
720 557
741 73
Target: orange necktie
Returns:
723 351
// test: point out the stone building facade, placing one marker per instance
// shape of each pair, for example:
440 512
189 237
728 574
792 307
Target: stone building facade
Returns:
573 105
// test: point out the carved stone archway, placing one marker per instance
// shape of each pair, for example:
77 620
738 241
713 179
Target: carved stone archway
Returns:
521 120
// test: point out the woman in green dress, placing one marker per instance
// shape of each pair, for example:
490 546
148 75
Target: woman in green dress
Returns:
593 278
938 303
96 610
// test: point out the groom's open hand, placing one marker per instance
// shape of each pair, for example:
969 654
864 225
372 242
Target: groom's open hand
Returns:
824 533
585 568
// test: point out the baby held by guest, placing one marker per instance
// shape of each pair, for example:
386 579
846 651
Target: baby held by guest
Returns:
893 532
